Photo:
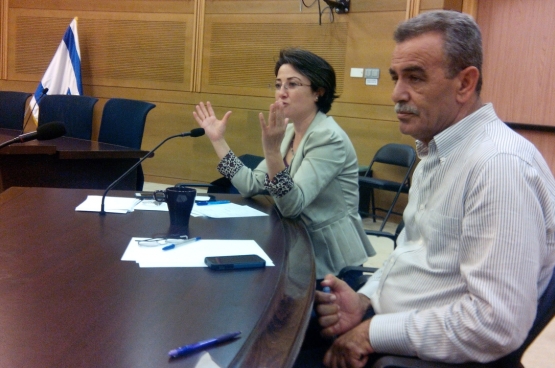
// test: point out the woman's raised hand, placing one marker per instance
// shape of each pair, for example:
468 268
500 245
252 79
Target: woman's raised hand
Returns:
273 131
205 117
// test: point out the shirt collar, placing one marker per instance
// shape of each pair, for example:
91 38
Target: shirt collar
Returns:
449 139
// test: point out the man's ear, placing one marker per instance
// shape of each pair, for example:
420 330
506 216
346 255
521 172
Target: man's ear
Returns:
468 79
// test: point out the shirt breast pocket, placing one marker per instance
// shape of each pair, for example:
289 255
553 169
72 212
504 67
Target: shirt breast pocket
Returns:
442 236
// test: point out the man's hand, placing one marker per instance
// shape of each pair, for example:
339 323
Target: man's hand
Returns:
350 349
341 309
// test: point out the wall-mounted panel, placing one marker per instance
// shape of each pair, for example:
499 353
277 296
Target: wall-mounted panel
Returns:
133 6
519 54
117 49
240 51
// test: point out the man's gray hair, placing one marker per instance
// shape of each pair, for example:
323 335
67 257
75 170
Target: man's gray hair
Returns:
462 38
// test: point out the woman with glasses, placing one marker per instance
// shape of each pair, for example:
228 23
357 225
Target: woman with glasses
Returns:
310 166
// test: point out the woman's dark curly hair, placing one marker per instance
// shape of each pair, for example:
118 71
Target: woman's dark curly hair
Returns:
318 71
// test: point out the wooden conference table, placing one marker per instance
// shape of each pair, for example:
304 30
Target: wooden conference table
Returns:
67 300
65 163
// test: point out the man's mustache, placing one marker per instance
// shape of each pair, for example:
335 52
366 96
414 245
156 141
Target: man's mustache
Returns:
401 108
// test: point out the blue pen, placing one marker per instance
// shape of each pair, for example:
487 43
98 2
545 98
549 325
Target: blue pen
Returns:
187 349
206 203
173 246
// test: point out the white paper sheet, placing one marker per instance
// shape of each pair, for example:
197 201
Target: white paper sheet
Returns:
226 210
152 205
192 254
111 204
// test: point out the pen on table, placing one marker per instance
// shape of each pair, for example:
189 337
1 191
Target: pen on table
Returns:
202 344
188 241
206 203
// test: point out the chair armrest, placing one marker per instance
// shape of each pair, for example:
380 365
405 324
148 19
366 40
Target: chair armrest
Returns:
347 269
409 362
381 233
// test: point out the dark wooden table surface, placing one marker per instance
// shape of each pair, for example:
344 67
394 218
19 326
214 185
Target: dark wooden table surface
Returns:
65 163
67 300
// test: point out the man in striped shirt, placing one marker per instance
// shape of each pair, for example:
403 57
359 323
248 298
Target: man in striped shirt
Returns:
478 247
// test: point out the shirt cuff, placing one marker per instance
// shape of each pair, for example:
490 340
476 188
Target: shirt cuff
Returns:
230 165
280 185
388 334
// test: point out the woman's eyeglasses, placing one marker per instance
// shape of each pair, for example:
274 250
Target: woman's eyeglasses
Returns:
155 242
289 85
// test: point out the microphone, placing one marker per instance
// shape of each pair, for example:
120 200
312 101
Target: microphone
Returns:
193 133
44 132
42 94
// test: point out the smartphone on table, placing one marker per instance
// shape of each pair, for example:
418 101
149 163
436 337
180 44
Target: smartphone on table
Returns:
235 262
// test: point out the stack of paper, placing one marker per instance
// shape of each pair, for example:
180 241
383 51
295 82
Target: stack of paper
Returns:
111 204
125 204
191 254
226 210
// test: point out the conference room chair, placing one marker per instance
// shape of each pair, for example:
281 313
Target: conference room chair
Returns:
393 155
12 109
353 272
123 123
76 112
223 184
545 313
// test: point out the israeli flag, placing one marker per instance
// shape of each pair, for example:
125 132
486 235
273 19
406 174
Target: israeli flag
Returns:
63 76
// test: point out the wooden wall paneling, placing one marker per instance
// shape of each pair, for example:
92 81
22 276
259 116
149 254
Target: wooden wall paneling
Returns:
470 7
180 159
3 38
134 6
369 45
519 49
241 50
377 6
543 142
117 49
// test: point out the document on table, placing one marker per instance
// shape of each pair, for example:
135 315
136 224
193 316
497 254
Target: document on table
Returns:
191 254
226 210
152 205
111 204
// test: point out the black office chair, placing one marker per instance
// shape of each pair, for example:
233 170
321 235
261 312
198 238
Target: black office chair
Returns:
545 313
12 109
223 184
76 112
123 123
360 273
396 154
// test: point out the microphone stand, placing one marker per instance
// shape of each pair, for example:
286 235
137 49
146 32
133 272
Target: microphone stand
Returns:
43 93
102 212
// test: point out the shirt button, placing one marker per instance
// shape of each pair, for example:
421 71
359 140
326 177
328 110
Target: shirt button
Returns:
422 206
442 159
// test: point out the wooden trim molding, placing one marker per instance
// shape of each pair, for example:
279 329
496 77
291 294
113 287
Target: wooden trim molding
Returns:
533 127
3 39
470 7
413 8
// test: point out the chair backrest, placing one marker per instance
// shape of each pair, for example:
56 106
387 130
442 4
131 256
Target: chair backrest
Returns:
76 112
12 109
223 184
544 314
123 122
395 154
